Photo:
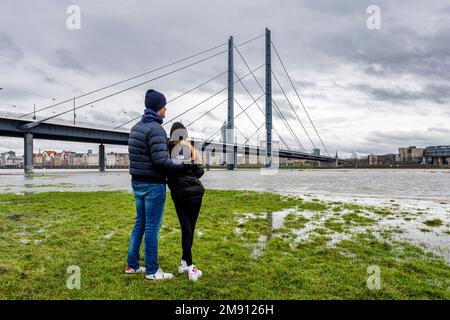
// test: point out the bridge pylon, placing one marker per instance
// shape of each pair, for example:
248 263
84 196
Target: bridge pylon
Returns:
230 156
268 97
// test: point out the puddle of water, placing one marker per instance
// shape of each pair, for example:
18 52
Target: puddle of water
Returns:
404 224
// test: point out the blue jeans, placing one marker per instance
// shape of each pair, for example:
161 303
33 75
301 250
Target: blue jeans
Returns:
150 199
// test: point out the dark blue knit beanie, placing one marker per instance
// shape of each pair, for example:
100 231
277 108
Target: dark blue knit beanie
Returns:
154 100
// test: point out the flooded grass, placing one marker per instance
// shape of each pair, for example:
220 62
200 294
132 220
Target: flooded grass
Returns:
433 223
295 221
250 246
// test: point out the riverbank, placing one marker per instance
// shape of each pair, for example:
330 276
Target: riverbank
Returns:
250 245
19 170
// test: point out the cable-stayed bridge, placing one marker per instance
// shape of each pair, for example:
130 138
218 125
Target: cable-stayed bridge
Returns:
31 125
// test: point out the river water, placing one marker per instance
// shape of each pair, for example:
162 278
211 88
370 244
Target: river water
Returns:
416 184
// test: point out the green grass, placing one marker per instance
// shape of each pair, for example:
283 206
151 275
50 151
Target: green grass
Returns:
295 221
335 225
433 223
312 206
43 234
356 219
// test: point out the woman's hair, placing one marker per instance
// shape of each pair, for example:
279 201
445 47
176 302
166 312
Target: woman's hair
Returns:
178 132
180 152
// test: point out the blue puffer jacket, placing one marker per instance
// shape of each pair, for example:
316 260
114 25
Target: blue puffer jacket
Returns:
147 148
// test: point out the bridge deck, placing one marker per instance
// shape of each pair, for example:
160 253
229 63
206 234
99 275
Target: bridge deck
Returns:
11 127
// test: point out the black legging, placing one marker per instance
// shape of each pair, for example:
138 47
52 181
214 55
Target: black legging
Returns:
187 212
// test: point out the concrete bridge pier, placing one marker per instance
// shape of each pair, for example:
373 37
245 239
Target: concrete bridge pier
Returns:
101 156
235 157
28 153
208 160
246 155
328 164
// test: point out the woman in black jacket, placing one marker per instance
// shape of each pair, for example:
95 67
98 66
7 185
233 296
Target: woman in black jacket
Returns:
187 192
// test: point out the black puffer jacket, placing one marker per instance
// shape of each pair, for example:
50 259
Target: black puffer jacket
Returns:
147 147
186 185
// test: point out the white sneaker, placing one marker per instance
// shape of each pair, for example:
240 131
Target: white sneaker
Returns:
183 267
194 273
159 275
129 270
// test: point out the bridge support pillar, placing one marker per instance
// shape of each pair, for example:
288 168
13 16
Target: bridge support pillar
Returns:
246 155
328 164
258 156
28 153
101 157
208 160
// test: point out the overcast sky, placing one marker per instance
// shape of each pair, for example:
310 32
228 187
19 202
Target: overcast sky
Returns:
368 91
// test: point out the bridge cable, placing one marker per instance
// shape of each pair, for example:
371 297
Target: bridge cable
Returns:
35 123
141 75
279 114
215 94
218 131
255 132
276 110
128 79
250 40
258 129
179 96
295 113
253 122
245 137
235 117
298 96
248 92
204 114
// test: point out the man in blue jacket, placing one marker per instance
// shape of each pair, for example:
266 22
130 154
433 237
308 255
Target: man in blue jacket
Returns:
149 166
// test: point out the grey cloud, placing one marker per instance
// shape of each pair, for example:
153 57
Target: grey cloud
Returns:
214 117
439 94
442 129
9 51
333 8
419 138
302 84
111 119
382 142
398 50
65 59
44 74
